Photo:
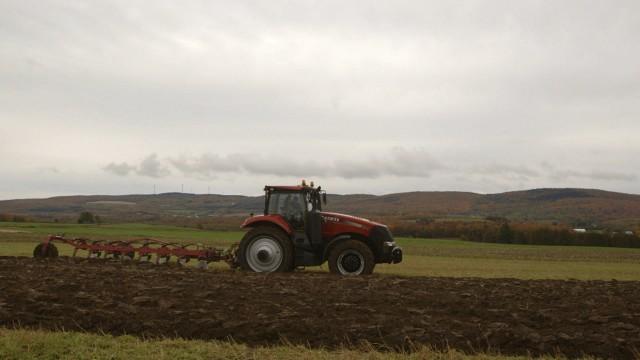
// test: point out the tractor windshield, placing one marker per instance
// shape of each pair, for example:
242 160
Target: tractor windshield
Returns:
291 205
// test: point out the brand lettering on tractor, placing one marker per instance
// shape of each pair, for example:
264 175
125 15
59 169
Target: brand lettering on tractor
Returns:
330 218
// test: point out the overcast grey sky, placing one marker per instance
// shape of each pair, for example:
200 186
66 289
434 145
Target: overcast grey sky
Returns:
112 97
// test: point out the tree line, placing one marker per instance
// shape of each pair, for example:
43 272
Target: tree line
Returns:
505 232
13 218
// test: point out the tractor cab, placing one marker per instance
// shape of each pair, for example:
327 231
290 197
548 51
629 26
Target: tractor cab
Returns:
300 206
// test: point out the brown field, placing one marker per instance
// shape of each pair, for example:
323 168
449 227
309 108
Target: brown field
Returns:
507 316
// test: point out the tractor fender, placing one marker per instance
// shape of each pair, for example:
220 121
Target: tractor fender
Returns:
268 220
339 238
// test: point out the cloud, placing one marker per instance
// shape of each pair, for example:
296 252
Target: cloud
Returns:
557 174
609 175
120 169
149 166
533 175
519 171
50 170
152 167
205 165
398 162
593 175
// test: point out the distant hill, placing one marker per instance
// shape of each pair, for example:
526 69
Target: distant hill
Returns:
572 206
565 205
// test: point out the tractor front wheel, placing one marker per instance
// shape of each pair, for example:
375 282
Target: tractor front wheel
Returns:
266 249
51 251
351 257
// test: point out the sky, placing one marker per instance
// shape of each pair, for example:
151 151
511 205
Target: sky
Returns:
122 97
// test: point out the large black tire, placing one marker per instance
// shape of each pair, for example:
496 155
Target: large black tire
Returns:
262 248
51 251
351 257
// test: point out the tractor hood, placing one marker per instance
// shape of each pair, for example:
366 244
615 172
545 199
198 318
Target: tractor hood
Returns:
348 220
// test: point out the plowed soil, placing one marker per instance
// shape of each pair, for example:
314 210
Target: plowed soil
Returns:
508 316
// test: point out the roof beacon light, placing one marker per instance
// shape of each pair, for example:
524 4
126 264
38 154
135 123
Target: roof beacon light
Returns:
304 183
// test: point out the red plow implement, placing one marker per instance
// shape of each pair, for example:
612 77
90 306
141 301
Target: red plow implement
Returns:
143 250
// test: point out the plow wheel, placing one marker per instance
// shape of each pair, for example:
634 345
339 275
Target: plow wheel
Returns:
95 254
51 251
145 258
163 259
126 256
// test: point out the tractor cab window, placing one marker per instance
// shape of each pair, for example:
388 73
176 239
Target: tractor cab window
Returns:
290 205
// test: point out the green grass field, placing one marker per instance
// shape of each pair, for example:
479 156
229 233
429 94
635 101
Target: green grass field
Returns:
423 257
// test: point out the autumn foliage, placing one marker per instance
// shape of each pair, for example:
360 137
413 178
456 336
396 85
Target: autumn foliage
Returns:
505 232
13 218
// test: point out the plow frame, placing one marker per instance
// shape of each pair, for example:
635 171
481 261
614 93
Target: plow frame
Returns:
144 248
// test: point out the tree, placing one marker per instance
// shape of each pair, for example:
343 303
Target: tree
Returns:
506 235
86 218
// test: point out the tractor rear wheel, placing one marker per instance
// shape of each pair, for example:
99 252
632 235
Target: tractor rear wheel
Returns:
266 249
50 251
351 257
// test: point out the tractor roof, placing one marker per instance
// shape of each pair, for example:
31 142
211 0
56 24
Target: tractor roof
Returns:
302 187
285 188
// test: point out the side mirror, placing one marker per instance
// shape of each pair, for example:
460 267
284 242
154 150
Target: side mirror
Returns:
324 198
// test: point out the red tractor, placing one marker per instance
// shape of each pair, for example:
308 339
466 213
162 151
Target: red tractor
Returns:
295 232
292 232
